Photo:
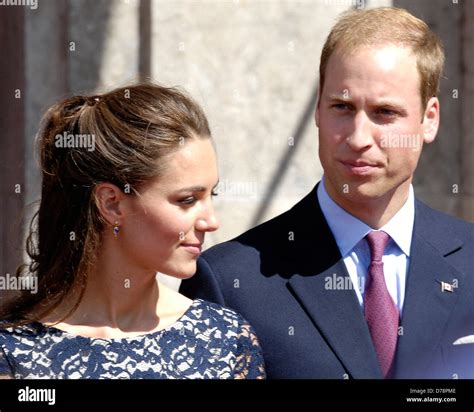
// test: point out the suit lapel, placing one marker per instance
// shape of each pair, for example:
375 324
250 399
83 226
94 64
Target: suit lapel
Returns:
427 308
323 288
337 313
338 316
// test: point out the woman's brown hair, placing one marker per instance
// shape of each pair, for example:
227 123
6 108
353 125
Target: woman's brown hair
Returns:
120 137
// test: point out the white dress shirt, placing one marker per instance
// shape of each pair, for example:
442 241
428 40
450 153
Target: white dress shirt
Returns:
349 233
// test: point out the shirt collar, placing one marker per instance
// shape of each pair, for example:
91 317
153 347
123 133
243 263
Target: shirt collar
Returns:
348 230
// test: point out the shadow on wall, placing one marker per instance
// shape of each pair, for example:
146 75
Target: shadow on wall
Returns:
287 157
440 164
54 50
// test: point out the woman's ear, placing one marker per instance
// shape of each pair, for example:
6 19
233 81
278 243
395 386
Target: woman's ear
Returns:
109 200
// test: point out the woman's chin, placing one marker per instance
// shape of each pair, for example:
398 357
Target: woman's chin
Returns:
183 271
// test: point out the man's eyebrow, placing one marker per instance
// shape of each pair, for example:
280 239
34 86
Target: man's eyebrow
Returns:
389 102
384 101
340 97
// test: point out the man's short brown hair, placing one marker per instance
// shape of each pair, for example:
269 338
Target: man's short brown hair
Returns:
389 25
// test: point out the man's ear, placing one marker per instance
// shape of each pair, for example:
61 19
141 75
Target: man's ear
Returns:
431 120
109 200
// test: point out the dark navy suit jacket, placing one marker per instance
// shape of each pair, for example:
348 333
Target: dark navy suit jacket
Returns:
276 276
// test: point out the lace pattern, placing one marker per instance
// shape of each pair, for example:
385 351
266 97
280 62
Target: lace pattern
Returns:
207 342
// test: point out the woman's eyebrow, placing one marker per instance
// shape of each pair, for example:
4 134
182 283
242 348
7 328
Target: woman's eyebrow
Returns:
192 189
197 188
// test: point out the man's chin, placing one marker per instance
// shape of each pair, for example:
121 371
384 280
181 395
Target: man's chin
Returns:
363 192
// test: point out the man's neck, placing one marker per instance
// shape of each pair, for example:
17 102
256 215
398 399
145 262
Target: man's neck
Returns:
373 212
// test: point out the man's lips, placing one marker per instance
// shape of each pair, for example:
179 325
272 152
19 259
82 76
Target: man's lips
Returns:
359 167
194 248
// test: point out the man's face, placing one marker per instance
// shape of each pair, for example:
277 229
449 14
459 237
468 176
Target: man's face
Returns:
372 124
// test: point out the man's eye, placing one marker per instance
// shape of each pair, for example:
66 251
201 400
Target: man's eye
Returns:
386 112
340 106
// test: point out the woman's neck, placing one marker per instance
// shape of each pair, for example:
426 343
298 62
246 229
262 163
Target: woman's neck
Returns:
120 299
118 296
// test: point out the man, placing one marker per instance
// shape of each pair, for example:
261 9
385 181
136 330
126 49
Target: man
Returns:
360 279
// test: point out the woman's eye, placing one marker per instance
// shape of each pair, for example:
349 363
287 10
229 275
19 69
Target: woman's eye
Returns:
188 200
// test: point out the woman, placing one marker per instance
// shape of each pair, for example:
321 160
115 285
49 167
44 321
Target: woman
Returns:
128 179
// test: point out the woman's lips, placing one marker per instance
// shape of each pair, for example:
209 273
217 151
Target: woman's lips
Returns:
194 248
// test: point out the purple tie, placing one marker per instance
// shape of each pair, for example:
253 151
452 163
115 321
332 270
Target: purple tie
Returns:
381 312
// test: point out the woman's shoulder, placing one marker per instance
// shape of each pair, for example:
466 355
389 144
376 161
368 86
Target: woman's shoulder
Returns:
203 308
24 338
214 315
25 330
228 331
21 334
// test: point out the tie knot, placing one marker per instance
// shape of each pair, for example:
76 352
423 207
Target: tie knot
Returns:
377 242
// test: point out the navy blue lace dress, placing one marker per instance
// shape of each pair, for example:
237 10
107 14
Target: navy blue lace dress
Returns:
207 342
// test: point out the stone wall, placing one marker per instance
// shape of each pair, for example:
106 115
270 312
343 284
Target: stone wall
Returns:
253 65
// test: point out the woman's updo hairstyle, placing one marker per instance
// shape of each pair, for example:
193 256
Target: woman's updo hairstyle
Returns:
120 137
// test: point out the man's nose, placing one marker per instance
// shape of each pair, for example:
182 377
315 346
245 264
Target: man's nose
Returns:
361 136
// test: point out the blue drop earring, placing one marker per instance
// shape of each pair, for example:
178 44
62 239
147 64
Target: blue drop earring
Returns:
116 229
